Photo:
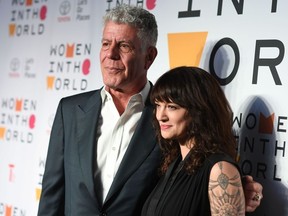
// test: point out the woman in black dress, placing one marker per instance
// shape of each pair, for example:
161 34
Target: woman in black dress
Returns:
194 128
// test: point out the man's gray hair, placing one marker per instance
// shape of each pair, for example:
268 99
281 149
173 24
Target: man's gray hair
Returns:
141 19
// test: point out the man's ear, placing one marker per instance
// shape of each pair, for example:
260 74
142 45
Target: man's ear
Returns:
150 56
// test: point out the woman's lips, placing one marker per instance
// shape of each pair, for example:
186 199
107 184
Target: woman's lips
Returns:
165 127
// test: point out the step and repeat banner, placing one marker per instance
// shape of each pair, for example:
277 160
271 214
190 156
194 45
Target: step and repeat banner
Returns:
50 49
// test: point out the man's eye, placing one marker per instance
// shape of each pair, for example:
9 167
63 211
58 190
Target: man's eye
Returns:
124 47
105 45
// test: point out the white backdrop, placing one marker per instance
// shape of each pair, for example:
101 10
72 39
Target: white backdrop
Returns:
49 49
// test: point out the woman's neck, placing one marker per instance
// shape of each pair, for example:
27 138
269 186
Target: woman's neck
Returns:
185 148
184 151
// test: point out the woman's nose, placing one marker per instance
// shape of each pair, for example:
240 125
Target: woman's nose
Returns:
161 114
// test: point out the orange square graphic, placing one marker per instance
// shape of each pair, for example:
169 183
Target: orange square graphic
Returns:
186 48
2 132
28 2
266 124
12 29
38 193
69 50
18 105
50 82
8 210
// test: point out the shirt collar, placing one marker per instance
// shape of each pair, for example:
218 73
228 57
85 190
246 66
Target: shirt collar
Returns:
143 93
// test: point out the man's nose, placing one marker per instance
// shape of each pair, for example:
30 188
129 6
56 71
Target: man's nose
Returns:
113 52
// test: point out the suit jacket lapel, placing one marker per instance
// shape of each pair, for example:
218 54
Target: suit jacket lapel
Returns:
141 144
87 116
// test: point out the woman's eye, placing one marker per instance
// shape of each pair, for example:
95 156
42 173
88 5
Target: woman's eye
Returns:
172 107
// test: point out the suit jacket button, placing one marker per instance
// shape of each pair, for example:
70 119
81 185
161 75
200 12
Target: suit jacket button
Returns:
103 214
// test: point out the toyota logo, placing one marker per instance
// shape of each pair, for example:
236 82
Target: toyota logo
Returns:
65 8
14 64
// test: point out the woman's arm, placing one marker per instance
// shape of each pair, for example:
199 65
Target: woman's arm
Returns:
225 190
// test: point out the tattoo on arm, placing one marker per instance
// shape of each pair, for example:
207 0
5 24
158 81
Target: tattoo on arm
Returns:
225 191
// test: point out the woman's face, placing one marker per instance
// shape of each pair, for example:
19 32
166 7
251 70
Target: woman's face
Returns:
172 119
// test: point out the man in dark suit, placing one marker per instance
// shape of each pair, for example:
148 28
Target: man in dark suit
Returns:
103 153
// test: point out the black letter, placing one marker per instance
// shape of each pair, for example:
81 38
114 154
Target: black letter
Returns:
233 45
271 63
261 168
280 123
237 120
274 177
189 12
280 148
246 167
274 6
238 6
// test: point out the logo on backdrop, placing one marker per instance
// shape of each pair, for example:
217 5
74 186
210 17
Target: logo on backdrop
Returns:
262 140
69 66
27 18
192 11
14 68
11 177
41 161
22 68
11 210
38 189
149 4
259 141
70 10
17 120
186 49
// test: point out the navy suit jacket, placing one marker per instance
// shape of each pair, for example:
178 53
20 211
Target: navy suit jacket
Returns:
68 184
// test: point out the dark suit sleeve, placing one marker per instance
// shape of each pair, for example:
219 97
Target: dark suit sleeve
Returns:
52 196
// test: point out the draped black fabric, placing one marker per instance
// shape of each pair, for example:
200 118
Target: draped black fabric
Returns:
181 194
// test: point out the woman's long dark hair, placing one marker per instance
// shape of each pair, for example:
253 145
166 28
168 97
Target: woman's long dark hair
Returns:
211 116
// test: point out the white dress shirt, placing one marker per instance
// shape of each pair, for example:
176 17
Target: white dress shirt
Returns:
114 134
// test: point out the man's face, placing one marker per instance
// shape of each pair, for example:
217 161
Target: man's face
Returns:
123 62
